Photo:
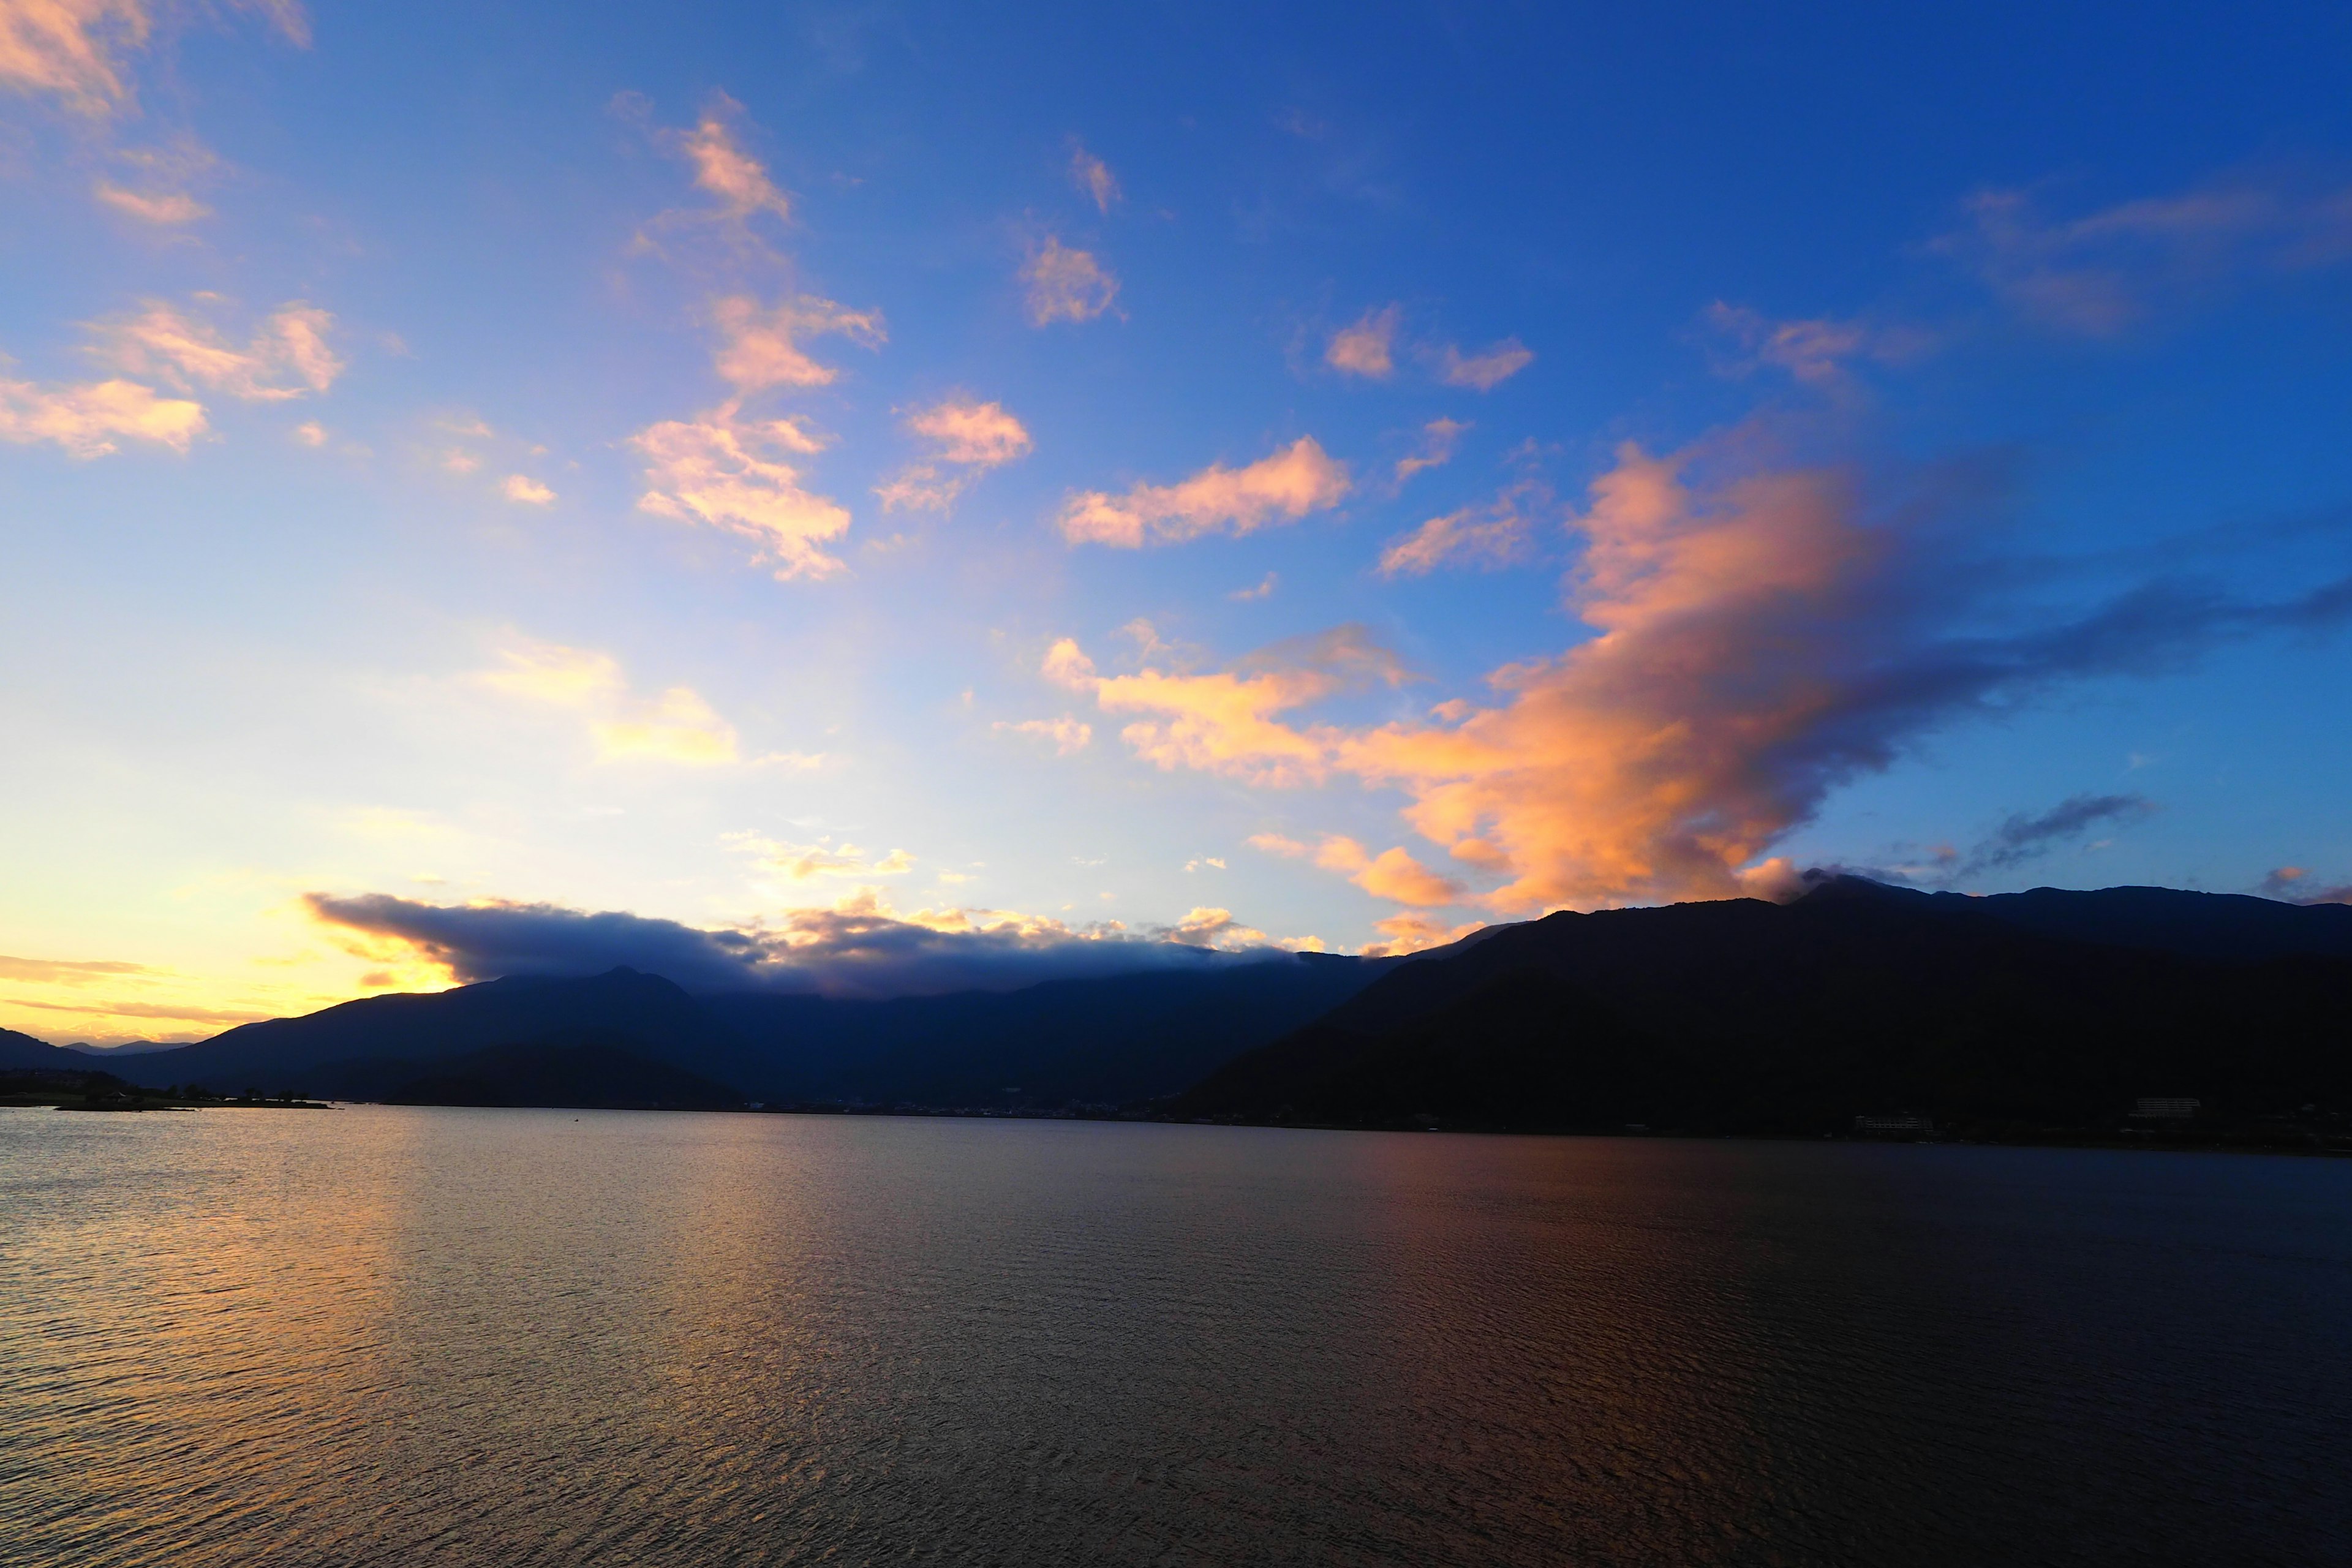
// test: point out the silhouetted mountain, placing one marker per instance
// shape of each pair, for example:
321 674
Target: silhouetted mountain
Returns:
1857 998
2201 925
582 1070
1107 1040
23 1051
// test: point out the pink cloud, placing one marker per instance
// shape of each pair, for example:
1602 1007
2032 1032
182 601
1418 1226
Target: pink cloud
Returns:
90 419
724 470
1486 369
1062 284
1365 348
758 346
1494 534
1285 487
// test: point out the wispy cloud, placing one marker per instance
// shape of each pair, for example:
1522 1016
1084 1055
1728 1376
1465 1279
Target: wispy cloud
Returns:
2099 273
722 469
967 437
2029 836
1486 369
1815 351
758 347
1440 439
1093 177
1068 734
72 49
66 971
826 857
1265 589
287 357
162 208
1285 487
92 419
1063 284
1493 533
1393 874
2294 885
1366 348
675 726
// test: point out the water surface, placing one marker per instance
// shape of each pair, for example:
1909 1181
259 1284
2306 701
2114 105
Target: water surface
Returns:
443 1337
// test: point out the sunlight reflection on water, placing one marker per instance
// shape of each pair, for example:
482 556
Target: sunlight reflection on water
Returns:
396 1336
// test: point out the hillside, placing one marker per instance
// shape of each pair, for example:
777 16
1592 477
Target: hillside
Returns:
1855 999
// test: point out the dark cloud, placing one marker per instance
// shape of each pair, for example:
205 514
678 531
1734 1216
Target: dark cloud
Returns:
2028 836
855 950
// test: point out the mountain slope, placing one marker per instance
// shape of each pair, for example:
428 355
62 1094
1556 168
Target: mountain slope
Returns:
20 1052
1746 1015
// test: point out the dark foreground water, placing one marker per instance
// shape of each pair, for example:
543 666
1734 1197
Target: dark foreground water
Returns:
511 1338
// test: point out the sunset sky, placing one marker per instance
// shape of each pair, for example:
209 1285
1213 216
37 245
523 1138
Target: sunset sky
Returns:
927 492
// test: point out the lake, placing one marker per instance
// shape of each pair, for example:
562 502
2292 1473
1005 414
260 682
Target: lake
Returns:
378 1335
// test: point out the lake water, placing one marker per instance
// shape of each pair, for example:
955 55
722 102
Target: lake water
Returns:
423 1337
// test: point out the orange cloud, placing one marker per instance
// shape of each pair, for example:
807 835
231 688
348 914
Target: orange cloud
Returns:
723 471
1285 487
1064 285
1439 440
1486 369
757 347
1093 177
678 726
1414 934
802 862
89 420
287 356
525 491
161 208
1391 874
1068 734
72 48
740 180
1494 534
1365 348
969 435
1227 723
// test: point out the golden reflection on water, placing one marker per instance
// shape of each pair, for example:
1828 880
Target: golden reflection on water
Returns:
380 1335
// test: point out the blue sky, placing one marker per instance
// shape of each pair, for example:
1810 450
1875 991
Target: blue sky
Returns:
896 475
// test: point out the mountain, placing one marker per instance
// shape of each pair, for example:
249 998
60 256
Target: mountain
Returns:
19 1052
1854 999
583 1069
2198 925
1107 1040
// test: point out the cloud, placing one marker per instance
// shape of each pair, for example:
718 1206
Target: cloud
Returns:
1485 370
310 433
1439 440
1265 589
162 208
860 947
2028 836
1496 534
737 182
800 862
72 48
180 1012
525 491
1285 487
969 436
757 348
1064 285
1415 933
1393 874
1816 351
678 726
89 419
2291 884
1364 349
1205 927
287 356
1069 735
1093 177
1227 723
66 972
2100 274
722 469
1763 634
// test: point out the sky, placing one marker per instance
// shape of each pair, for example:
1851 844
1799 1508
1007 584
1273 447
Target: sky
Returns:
886 497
